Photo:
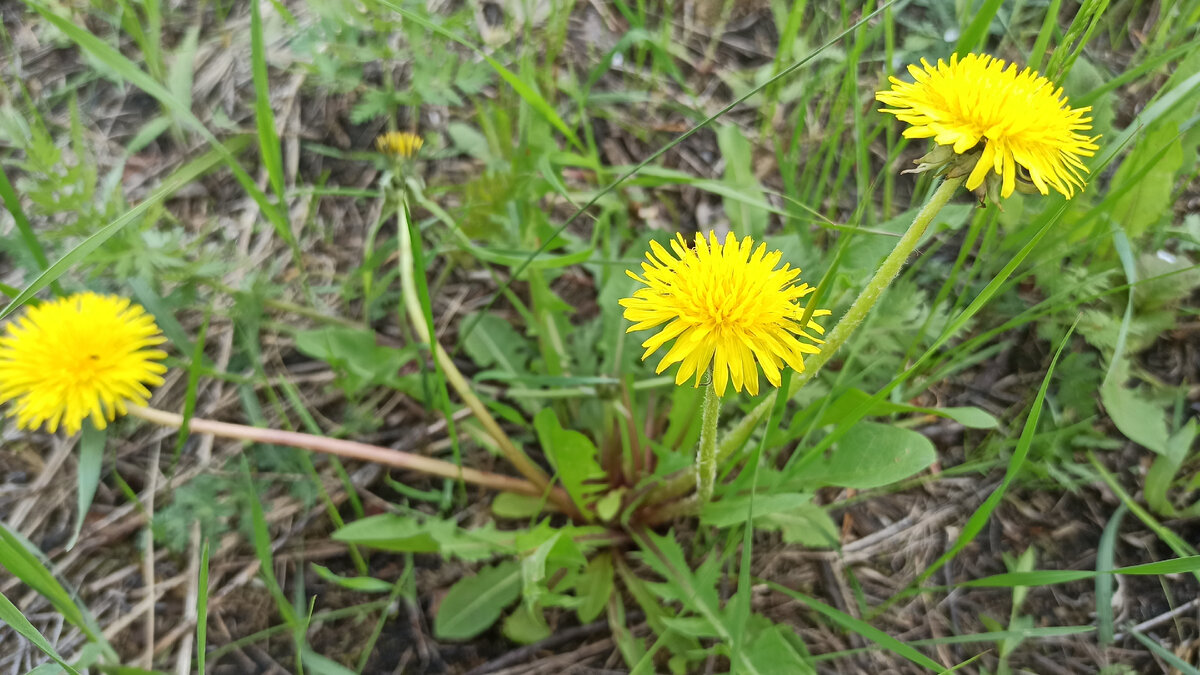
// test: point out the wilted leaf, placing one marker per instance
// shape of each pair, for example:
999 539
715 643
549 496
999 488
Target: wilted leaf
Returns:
322 665
968 416
553 554
801 521
468 140
393 532
1150 198
1142 421
609 504
733 510
770 652
739 175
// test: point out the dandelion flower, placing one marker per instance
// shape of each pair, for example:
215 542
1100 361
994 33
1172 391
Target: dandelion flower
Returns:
1007 126
399 143
726 305
84 356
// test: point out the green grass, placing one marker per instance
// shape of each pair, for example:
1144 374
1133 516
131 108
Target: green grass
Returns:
258 225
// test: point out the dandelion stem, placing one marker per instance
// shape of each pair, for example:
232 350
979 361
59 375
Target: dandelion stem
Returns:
858 311
344 448
883 278
454 377
706 456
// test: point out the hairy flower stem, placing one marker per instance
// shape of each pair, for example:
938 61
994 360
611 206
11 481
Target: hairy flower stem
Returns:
344 448
706 455
454 377
854 316
883 278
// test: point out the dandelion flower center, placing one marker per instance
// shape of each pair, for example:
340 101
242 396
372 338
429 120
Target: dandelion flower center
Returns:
399 143
1020 118
724 305
83 356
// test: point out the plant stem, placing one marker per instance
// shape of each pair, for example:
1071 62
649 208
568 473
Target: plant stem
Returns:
706 456
667 511
454 377
854 316
344 448
883 278
858 311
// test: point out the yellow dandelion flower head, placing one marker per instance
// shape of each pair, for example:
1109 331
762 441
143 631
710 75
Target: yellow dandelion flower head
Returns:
724 304
399 143
83 356
1020 118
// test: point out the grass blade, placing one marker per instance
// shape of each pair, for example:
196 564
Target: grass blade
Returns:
528 92
547 241
9 196
193 384
1104 582
9 614
975 36
741 603
202 610
128 70
1050 577
264 117
860 627
981 516
1049 25
1166 655
17 558
91 457
184 175
1174 541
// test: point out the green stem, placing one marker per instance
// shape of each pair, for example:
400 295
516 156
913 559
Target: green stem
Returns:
883 278
854 316
8 196
416 314
706 456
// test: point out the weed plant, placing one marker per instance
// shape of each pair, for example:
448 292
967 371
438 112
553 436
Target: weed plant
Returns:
476 299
